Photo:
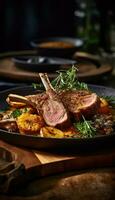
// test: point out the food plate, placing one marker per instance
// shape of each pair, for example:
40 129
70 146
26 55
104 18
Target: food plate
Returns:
41 63
70 144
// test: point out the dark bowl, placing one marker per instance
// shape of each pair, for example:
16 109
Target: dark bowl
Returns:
57 46
41 63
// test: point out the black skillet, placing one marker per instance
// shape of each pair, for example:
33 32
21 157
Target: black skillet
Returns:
65 144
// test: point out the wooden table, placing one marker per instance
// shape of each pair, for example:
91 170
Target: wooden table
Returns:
91 69
58 176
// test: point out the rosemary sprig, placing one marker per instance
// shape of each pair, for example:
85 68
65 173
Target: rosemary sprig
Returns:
85 128
67 79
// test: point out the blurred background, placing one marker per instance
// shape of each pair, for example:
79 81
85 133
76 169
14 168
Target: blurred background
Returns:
91 21
24 20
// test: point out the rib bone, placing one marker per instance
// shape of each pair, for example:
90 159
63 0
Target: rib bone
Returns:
18 98
49 89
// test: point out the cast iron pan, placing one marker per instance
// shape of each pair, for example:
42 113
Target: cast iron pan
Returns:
65 144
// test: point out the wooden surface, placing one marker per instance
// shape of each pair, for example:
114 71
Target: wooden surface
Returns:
58 176
83 185
45 163
87 70
86 175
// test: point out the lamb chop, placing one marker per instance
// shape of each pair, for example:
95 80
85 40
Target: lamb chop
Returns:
53 110
48 104
76 102
81 102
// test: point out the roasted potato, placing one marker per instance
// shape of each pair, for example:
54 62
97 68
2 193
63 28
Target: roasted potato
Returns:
51 132
30 124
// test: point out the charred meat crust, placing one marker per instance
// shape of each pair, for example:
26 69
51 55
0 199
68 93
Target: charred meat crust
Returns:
76 102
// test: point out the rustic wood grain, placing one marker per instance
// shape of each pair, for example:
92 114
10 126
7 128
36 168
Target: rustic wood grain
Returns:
70 180
22 155
94 184
46 163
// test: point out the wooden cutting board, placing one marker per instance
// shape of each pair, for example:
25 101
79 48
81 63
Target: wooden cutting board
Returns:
39 163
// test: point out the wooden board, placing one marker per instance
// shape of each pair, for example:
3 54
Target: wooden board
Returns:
39 164
67 168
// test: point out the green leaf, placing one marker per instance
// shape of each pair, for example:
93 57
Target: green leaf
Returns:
16 113
67 80
85 128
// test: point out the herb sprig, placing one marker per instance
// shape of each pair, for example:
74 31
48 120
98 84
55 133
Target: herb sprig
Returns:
17 112
85 128
67 79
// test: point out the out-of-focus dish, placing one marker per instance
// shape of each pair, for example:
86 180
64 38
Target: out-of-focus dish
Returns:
70 114
41 63
89 71
57 46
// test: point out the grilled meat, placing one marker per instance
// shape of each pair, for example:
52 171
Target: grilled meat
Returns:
80 102
76 102
55 106
53 110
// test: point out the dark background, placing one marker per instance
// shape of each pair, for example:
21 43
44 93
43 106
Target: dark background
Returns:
24 20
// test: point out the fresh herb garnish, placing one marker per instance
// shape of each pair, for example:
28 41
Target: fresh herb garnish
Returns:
85 128
38 86
67 79
16 113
